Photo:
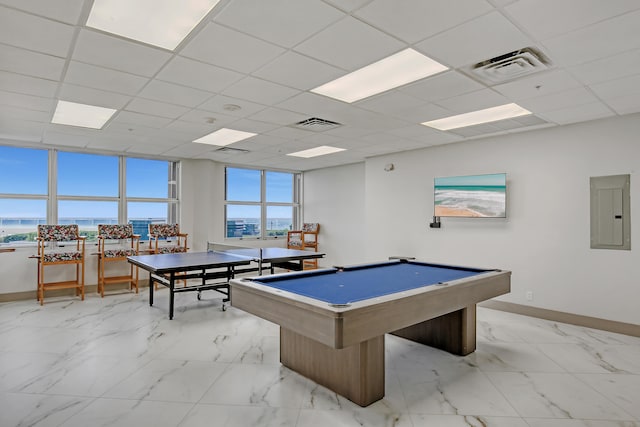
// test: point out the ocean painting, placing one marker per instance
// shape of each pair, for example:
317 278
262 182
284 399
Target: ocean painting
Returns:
471 196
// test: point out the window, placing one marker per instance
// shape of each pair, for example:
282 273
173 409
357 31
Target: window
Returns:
86 189
23 193
260 203
152 193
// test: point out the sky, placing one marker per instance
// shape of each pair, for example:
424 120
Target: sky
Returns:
497 179
24 171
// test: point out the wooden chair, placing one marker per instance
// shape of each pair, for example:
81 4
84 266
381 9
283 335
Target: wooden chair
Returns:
115 243
304 239
56 247
166 239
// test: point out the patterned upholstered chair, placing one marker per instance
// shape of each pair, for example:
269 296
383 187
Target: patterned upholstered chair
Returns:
166 239
60 245
115 243
305 239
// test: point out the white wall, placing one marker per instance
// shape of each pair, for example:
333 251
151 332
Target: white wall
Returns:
334 197
544 240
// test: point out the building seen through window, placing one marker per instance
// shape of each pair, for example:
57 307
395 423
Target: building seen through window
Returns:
260 203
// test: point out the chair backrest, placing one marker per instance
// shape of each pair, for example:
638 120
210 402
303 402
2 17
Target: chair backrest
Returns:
162 231
58 233
115 231
311 227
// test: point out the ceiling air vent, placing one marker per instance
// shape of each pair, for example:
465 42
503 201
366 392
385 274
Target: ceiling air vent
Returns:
510 66
231 150
315 124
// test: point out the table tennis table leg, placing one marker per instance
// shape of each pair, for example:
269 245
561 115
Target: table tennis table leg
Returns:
172 280
150 289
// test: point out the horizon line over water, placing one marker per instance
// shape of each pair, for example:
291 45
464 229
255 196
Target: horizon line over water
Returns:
470 200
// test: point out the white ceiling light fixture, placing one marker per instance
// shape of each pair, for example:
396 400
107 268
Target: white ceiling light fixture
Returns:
163 23
81 115
396 70
224 136
315 152
493 114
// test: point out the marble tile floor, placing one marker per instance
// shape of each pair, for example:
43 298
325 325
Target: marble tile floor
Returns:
119 362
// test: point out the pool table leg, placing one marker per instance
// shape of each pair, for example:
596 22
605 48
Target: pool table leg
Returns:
454 332
355 372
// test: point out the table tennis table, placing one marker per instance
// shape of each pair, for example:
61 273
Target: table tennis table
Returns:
215 267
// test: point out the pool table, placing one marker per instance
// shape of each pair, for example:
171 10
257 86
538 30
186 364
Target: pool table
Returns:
333 321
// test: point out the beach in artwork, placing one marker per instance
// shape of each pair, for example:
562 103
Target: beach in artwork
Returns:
471 196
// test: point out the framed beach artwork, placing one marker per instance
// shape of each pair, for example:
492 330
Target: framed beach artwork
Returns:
476 196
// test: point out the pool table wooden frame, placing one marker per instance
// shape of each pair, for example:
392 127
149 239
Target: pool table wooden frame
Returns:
342 348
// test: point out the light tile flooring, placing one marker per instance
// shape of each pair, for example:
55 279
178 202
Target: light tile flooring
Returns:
118 362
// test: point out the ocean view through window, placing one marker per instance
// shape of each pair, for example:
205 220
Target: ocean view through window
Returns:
87 192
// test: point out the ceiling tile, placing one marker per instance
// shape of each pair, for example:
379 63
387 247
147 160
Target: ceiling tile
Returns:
188 72
174 94
12 82
581 113
613 67
60 10
230 49
627 104
24 30
85 95
558 100
116 145
261 91
30 63
102 78
568 15
617 88
298 71
207 118
30 102
231 106
134 119
589 44
347 5
278 116
350 44
189 150
539 84
21 130
414 20
482 38
473 101
395 103
107 51
156 108
440 86
283 22
10 113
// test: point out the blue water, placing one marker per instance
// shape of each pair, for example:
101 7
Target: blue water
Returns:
485 200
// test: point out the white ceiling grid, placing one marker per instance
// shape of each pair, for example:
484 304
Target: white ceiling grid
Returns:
250 65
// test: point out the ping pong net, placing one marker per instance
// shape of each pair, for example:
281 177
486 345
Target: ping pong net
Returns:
235 250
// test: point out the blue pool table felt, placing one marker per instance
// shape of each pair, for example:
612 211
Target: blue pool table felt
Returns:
339 287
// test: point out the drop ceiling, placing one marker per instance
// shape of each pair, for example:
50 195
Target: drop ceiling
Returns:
250 65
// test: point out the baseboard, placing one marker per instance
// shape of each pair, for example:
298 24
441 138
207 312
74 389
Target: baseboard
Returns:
562 317
88 289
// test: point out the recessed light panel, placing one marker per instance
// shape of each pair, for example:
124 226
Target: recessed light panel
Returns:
82 115
493 114
315 152
396 70
224 136
163 23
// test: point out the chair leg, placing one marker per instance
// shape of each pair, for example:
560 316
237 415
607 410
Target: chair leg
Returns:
82 283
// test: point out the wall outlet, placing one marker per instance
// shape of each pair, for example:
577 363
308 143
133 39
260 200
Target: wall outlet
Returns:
529 295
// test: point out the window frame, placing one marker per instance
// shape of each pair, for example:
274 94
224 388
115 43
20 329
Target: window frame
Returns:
295 204
53 198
